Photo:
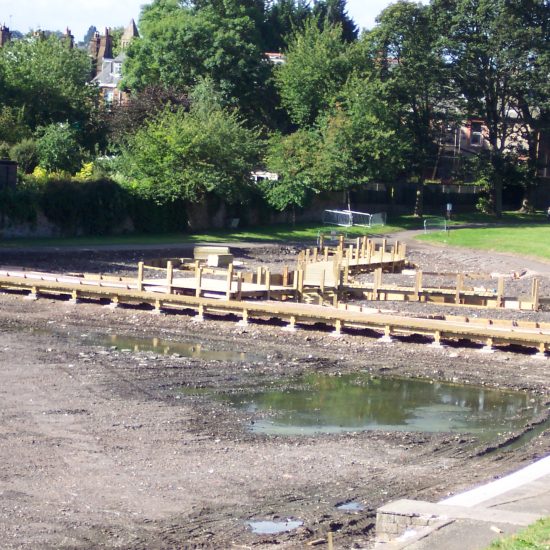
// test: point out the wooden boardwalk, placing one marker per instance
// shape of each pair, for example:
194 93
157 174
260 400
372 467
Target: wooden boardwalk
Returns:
131 291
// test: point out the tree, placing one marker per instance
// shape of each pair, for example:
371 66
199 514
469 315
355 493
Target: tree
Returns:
403 47
47 81
58 148
490 59
317 65
361 139
92 29
190 154
293 158
181 44
334 12
282 18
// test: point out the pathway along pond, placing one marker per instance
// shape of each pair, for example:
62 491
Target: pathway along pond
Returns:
321 403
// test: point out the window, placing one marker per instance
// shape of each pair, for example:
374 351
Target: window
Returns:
475 134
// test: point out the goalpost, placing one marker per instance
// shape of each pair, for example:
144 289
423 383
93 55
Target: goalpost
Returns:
348 218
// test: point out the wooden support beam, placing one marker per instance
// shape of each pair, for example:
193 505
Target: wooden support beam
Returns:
268 284
418 284
140 276
114 303
229 280
198 281
157 308
285 275
74 297
437 340
169 276
387 335
244 321
199 317
500 292
239 287
459 287
291 327
338 325
535 294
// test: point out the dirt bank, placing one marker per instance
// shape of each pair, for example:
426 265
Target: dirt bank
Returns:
105 447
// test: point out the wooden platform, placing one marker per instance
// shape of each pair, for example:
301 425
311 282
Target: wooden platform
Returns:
488 332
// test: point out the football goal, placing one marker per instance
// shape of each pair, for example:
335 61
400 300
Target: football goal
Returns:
348 218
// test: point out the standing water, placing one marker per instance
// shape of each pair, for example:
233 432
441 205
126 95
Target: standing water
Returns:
332 404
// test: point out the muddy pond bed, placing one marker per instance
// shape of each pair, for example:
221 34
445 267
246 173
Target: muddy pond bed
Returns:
121 429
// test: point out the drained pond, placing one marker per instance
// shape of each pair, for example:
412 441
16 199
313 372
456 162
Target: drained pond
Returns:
319 403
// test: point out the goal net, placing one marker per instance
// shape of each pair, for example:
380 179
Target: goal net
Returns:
347 218
435 224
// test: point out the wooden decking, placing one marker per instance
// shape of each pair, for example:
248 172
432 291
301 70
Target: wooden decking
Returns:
127 291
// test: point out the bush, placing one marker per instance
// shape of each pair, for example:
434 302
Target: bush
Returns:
58 149
90 208
25 154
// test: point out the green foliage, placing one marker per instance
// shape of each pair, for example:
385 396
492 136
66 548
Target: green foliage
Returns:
91 207
25 153
293 159
13 127
534 537
317 65
58 149
18 205
189 154
47 81
181 44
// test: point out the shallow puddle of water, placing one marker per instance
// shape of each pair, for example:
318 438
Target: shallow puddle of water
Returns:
274 527
167 347
351 507
332 404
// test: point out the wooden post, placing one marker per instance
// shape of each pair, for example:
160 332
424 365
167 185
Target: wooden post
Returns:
322 281
239 287
315 254
114 302
326 253
74 297
418 284
198 281
229 281
337 328
307 255
140 277
363 246
459 286
370 246
346 269
285 275
383 250
393 250
500 292
341 243
169 276
377 282
535 294
321 241
259 275
268 283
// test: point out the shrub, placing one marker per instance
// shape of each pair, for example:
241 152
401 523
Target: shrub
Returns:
25 154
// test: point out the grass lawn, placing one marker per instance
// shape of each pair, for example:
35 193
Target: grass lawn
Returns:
272 233
299 232
528 240
534 537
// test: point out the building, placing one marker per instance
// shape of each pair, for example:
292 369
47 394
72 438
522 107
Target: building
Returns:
107 68
5 35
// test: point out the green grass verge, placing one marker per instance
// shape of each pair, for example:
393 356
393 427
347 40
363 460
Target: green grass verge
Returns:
534 537
528 240
271 233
